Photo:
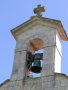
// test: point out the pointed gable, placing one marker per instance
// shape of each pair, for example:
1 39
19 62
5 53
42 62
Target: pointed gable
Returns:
41 21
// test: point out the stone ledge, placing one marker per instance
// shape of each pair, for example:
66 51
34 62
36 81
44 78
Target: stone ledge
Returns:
32 79
61 74
4 82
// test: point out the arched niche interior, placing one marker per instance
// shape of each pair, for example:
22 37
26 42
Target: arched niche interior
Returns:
36 44
35 49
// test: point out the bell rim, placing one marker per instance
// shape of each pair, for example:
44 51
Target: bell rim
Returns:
33 69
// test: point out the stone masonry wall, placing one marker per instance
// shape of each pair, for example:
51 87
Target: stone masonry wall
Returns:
54 82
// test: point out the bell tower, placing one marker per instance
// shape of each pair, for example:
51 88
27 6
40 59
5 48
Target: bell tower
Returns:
51 32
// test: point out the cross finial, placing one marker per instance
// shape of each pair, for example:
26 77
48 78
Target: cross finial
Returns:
39 10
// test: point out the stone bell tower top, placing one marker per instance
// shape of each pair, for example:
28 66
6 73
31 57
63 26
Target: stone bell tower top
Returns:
50 31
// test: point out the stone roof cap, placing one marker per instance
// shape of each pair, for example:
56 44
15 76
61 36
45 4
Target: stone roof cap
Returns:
4 82
55 74
61 74
42 21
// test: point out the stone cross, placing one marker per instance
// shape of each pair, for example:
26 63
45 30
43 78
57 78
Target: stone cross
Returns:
39 10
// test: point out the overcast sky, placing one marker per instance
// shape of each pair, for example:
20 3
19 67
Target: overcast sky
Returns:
14 13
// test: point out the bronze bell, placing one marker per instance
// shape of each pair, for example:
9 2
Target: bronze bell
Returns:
36 65
36 68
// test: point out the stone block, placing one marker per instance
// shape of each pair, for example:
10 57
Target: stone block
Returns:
14 83
14 77
2 88
59 88
48 79
66 88
17 88
11 88
64 82
57 83
47 72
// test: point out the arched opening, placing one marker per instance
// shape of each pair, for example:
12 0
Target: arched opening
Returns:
35 57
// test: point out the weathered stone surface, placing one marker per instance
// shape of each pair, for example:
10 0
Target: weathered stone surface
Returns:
53 82
49 39
51 32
